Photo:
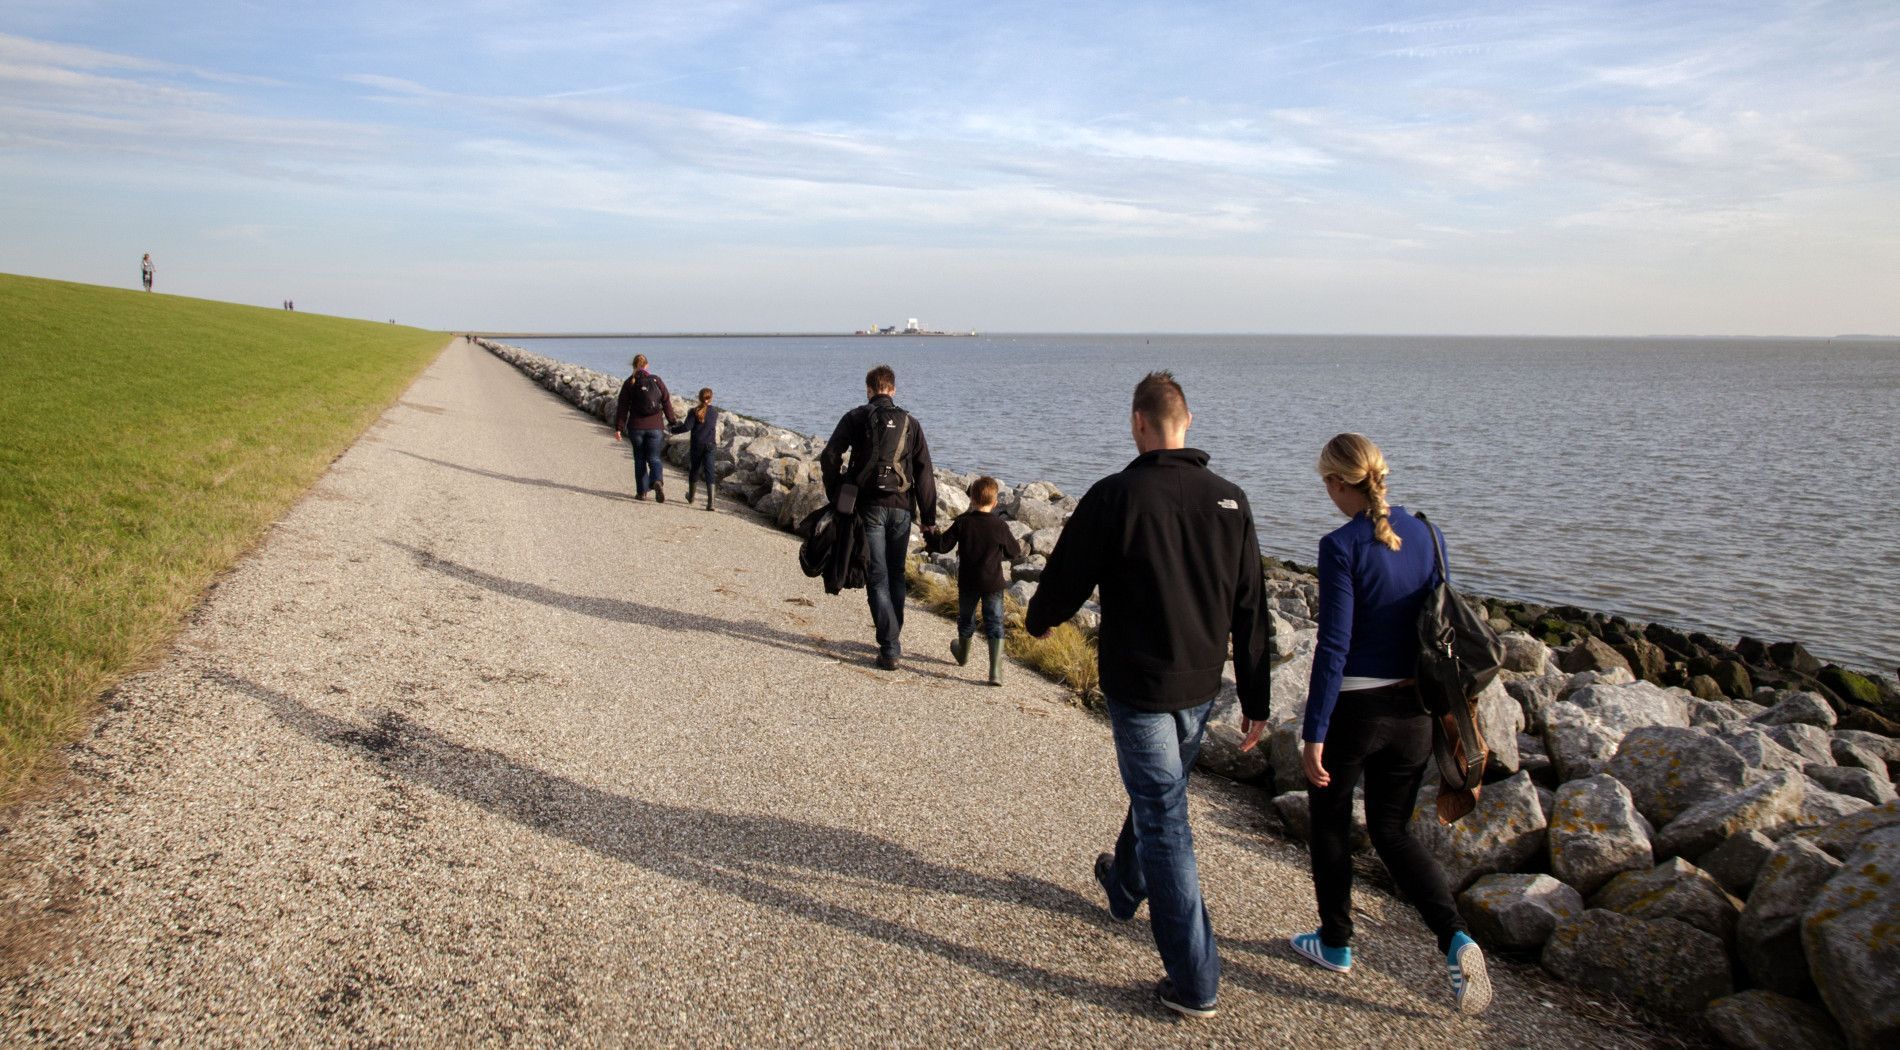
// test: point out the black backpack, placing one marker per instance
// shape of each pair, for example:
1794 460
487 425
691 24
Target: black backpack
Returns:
1458 656
886 466
646 395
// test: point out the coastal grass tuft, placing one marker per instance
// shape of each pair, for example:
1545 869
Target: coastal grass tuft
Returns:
147 441
1067 655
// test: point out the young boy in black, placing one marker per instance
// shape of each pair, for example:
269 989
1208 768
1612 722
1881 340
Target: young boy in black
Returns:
981 539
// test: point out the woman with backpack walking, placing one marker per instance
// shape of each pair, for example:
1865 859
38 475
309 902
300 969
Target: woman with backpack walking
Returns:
703 423
641 414
1365 718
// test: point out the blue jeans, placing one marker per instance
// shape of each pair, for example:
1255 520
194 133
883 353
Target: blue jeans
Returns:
646 458
886 544
992 613
1154 857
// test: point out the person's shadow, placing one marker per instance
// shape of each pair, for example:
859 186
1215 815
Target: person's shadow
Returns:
540 483
621 610
756 858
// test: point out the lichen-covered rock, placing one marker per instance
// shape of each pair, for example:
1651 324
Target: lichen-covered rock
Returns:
1810 742
1595 833
1500 718
1535 695
1674 889
1737 862
1664 965
1854 782
1819 808
1758 1019
1852 936
1593 654
1517 912
1775 800
1625 708
1578 744
1853 756
1505 830
1712 714
1799 708
1841 838
1768 937
1669 769
1885 748
1759 750
1296 816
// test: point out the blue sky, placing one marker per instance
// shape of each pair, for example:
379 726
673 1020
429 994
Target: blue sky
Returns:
1513 168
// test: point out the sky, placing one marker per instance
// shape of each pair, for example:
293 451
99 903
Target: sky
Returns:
746 165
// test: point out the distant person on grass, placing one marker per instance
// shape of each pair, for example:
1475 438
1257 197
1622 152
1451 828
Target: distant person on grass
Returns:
1171 544
1364 716
877 466
146 271
981 540
703 423
643 411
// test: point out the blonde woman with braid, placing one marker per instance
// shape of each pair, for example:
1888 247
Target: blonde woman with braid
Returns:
1364 717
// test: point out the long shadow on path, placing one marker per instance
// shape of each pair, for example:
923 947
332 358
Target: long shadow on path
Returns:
540 483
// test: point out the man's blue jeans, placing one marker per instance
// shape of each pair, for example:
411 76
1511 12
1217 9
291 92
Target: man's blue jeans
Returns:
886 544
992 603
647 445
1154 857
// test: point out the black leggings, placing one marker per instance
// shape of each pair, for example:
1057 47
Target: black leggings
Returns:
1384 735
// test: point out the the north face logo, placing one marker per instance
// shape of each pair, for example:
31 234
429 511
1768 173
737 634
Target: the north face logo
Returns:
1228 504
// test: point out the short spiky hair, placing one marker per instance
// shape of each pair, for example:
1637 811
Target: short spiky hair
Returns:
880 378
1159 400
983 489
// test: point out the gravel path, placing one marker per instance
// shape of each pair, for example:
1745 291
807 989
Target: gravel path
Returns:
476 749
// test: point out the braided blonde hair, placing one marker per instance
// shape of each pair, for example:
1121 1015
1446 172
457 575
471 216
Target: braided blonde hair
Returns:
1355 460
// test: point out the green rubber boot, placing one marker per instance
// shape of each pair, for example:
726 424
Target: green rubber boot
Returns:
996 661
961 649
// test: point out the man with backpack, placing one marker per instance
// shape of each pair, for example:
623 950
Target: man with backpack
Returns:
645 408
877 466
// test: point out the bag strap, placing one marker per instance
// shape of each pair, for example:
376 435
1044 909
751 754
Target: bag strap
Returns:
1438 549
1469 747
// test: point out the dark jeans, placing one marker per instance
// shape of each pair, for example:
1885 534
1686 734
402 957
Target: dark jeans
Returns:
1154 856
699 470
886 544
646 458
992 613
1383 735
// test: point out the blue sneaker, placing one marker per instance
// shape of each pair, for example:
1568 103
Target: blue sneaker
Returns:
1470 982
1165 990
1338 960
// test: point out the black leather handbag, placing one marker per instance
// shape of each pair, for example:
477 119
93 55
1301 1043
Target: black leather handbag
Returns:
1458 657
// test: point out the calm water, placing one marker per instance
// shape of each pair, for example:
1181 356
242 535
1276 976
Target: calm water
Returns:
1739 486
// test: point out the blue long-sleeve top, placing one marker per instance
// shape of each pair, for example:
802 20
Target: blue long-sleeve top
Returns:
705 431
1369 600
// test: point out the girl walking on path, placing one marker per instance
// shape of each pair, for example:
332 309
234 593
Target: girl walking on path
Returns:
644 409
703 423
1364 716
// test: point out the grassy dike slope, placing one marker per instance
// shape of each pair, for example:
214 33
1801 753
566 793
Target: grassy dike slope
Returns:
146 441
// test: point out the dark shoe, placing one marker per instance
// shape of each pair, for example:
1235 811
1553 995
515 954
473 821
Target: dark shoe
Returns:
960 649
642 497
886 663
1105 878
996 661
1180 1006
691 491
659 491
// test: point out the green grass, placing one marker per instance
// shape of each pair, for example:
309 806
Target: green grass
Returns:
146 441
1067 655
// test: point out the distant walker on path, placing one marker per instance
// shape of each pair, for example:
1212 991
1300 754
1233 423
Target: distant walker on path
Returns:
702 423
877 466
1171 544
643 411
146 271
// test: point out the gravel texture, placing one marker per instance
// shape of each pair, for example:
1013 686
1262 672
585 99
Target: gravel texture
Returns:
475 749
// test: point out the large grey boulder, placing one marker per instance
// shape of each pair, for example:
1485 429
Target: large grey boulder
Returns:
1578 744
1819 808
1043 541
1289 681
1296 816
1664 965
1712 714
1595 833
1535 695
1810 742
952 500
1760 750
1038 514
1841 838
1886 748
1852 936
1499 719
1624 708
1505 830
804 499
1585 679
1674 889
1854 782
1524 653
1758 1019
1517 912
1669 769
1737 862
1768 937
1850 754
1799 708
1220 745
1284 748
1773 801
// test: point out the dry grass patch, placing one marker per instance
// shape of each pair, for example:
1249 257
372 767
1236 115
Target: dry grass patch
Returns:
1067 655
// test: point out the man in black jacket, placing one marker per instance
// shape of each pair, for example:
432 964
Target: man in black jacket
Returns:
1171 545
889 476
